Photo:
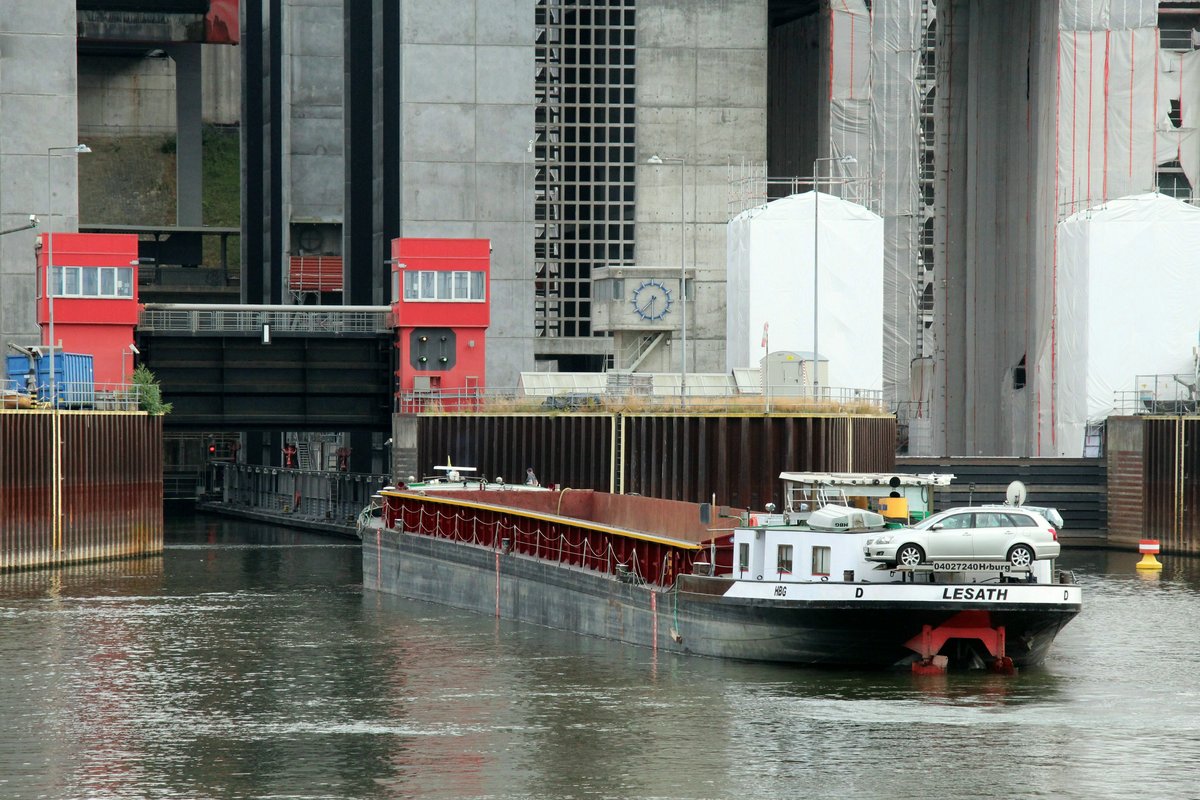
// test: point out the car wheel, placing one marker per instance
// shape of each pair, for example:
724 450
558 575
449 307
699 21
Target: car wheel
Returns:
1021 555
909 555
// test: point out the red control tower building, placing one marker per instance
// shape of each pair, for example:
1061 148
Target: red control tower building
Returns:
95 308
441 304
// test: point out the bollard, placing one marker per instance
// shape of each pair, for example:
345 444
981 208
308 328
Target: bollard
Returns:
1149 549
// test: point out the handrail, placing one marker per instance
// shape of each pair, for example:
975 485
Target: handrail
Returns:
250 319
783 399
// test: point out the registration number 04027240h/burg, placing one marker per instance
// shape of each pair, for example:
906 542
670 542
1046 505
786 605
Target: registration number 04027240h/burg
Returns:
971 566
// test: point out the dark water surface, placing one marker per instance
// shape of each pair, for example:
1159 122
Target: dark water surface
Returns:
247 662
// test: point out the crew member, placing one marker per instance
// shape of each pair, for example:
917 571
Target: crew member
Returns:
530 478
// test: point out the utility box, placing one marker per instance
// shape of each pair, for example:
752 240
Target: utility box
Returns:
74 378
788 373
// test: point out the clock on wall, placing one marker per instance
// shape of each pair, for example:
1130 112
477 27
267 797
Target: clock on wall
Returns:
651 300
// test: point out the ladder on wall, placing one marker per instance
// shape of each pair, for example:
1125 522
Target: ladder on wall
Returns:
304 454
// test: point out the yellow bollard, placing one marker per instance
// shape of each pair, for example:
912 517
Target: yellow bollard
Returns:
1149 549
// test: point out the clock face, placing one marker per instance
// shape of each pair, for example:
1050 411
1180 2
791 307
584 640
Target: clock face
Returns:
651 300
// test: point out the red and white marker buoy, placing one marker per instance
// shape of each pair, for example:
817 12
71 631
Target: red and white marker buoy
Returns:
1149 549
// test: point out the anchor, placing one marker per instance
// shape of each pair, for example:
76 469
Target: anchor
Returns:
963 625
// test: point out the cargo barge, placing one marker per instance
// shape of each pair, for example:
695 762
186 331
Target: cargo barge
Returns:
791 587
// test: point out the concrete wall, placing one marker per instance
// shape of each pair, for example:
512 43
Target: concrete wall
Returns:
466 119
313 163
37 110
702 96
123 96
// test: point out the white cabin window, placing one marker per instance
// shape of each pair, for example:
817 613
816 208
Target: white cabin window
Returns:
820 560
743 557
784 559
435 285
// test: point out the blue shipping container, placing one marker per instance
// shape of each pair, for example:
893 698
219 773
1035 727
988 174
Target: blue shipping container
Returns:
74 378
18 373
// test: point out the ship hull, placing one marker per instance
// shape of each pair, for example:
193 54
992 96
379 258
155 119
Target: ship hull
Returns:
815 623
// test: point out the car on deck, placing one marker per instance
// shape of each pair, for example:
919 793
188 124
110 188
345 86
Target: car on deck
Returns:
1012 534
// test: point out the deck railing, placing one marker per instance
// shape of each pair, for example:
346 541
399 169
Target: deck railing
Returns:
782 399
250 319
72 395
1159 394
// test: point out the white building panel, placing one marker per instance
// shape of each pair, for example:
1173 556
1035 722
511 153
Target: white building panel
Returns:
1125 299
770 281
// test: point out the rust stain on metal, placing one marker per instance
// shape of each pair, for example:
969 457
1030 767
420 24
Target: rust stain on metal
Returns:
110 483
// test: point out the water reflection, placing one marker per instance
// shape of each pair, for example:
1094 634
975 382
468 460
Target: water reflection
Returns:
246 662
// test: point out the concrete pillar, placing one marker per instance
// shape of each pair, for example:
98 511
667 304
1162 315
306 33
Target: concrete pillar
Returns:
39 109
189 139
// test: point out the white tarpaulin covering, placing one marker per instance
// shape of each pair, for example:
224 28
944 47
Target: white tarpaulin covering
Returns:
1126 300
770 280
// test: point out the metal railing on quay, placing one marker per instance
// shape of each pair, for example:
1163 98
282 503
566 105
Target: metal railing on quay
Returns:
788 399
71 396
1159 394
250 319
182 482
318 495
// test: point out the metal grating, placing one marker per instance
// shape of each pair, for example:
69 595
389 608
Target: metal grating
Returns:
584 152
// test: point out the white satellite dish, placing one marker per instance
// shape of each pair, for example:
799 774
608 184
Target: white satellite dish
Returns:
1016 493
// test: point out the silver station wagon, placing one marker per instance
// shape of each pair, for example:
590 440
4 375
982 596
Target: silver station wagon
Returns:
1013 534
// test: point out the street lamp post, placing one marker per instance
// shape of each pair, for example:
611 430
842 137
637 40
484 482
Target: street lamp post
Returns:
656 159
56 468
50 289
816 358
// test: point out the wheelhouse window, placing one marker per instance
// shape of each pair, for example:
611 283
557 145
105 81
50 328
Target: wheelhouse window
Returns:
820 560
784 559
103 282
743 557
444 286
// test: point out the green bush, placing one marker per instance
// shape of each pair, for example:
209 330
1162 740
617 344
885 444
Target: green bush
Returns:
149 392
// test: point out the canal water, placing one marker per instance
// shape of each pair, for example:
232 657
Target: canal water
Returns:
248 662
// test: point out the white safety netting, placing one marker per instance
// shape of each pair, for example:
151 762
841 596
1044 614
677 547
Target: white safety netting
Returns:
770 282
1099 15
873 101
1126 289
1107 143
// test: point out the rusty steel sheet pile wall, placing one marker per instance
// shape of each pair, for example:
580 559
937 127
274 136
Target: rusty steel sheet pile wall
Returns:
111 487
568 449
1171 459
1154 481
671 456
739 458
1126 462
